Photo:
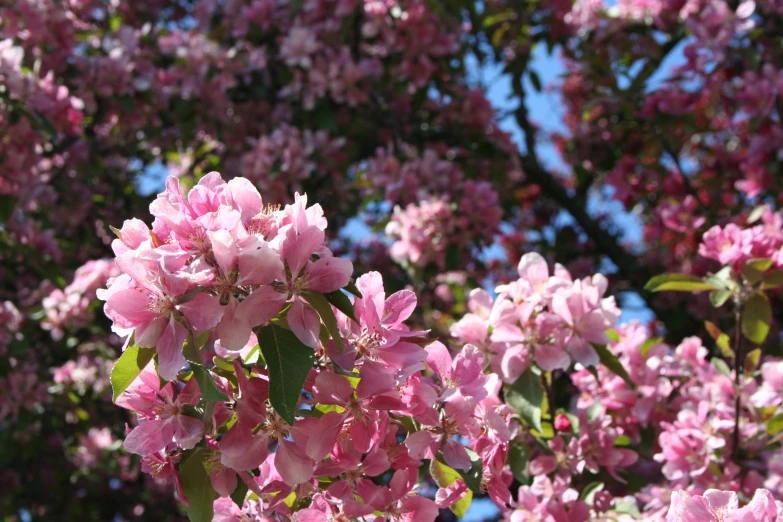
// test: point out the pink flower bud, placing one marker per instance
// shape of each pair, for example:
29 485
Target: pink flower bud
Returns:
562 423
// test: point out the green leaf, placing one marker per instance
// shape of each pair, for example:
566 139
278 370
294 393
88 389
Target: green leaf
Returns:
128 367
114 23
756 214
472 477
593 410
197 487
612 335
754 269
161 380
756 318
190 350
444 477
408 422
773 280
45 124
223 364
775 424
7 206
588 492
548 431
352 289
627 508
443 474
677 283
723 279
209 390
722 340
752 360
719 297
645 348
518 458
460 507
622 440
289 362
339 300
324 309
526 396
239 494
611 361
326 408
535 80
721 366
496 18
254 355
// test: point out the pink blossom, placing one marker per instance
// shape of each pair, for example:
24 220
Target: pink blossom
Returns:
771 391
717 505
723 244
298 46
162 414
587 314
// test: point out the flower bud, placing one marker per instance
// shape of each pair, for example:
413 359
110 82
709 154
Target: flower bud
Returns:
562 423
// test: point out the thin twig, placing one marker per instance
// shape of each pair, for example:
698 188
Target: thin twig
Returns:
738 368
685 180
550 396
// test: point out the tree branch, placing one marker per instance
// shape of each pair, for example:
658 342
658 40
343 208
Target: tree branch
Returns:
629 266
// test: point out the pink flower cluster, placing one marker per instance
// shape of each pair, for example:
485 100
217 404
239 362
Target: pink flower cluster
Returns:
415 176
219 260
551 320
21 390
426 231
68 308
278 163
421 232
10 321
665 415
219 263
732 245
83 374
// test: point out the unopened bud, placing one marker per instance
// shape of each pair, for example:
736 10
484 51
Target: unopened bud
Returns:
562 422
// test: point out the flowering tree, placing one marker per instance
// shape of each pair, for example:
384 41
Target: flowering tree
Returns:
370 107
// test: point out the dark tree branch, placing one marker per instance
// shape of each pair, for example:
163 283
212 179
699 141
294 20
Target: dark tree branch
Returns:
685 180
630 267
649 68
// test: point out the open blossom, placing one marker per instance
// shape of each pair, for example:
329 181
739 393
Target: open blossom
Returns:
682 215
163 418
771 391
326 274
722 506
96 441
380 334
587 315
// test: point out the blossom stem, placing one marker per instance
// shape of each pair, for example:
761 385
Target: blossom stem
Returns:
738 364
550 394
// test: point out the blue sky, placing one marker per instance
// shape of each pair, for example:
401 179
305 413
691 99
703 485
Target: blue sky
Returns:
546 110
